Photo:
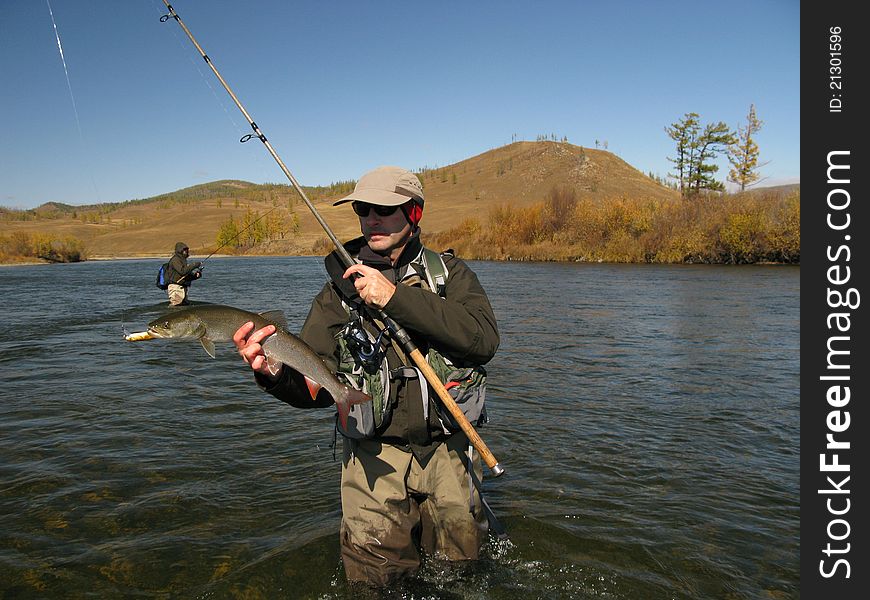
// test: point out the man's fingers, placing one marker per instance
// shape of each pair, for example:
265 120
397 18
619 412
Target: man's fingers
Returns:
250 344
261 334
358 270
247 338
261 365
242 333
251 351
253 355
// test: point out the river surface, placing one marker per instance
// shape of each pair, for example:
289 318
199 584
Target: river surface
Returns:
647 417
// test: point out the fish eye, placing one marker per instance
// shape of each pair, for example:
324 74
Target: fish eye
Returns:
166 324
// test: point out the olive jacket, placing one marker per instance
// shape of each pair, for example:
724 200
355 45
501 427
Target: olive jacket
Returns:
180 271
461 325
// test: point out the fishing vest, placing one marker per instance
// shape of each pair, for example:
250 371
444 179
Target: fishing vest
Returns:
466 385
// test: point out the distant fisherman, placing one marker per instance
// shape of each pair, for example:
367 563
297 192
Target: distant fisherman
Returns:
405 482
180 275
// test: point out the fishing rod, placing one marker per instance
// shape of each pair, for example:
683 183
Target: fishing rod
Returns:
235 237
397 331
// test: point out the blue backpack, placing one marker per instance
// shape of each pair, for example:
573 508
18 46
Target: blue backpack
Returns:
162 282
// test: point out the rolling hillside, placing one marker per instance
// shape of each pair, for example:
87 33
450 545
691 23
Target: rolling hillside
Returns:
518 174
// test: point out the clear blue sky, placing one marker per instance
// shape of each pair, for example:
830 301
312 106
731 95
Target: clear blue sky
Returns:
341 87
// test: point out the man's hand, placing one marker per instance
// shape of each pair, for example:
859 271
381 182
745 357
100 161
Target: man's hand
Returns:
374 289
249 345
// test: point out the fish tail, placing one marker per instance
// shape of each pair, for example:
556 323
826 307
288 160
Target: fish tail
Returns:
348 398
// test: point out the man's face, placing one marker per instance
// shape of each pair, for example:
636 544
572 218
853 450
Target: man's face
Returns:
386 235
186 252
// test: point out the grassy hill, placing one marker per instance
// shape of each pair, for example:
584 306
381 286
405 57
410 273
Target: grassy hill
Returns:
517 175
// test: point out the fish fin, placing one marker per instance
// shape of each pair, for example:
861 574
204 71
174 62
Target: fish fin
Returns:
343 411
357 397
348 399
273 364
313 387
276 317
207 345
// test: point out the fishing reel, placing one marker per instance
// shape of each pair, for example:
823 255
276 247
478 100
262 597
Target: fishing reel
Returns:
368 353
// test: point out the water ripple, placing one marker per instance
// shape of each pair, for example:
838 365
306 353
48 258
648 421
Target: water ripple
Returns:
648 418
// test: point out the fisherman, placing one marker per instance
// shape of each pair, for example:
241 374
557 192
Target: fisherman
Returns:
180 275
406 482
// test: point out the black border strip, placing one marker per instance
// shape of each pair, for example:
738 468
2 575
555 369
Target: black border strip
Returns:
834 229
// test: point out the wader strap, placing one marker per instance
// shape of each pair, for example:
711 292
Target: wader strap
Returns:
344 440
494 524
470 454
404 373
436 270
334 436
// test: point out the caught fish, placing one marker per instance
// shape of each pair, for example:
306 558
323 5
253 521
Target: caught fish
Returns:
210 323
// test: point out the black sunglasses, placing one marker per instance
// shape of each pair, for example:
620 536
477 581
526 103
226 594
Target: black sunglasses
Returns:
362 209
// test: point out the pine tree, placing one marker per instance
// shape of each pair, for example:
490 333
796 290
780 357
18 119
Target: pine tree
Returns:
743 153
685 133
696 149
712 140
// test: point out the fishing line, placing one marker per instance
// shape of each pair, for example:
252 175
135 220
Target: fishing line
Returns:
202 76
235 237
262 163
71 96
124 322
65 70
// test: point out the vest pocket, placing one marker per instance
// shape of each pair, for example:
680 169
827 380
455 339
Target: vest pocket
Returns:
467 387
363 420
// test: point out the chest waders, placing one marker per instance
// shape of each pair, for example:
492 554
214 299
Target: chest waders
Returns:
363 365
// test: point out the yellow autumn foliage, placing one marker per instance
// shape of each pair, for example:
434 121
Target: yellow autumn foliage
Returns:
729 229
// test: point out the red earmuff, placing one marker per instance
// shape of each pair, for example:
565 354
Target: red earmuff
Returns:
413 212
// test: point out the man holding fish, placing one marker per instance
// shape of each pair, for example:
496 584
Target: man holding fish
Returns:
407 469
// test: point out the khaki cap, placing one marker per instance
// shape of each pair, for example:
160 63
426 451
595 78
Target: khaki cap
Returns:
386 186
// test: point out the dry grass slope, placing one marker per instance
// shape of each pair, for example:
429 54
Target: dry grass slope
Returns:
517 176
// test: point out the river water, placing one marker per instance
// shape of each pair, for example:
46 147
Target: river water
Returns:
647 417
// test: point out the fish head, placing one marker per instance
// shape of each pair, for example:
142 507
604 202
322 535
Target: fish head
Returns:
177 325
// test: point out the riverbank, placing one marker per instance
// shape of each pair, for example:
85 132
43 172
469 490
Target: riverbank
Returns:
529 257
29 261
749 228
24 263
